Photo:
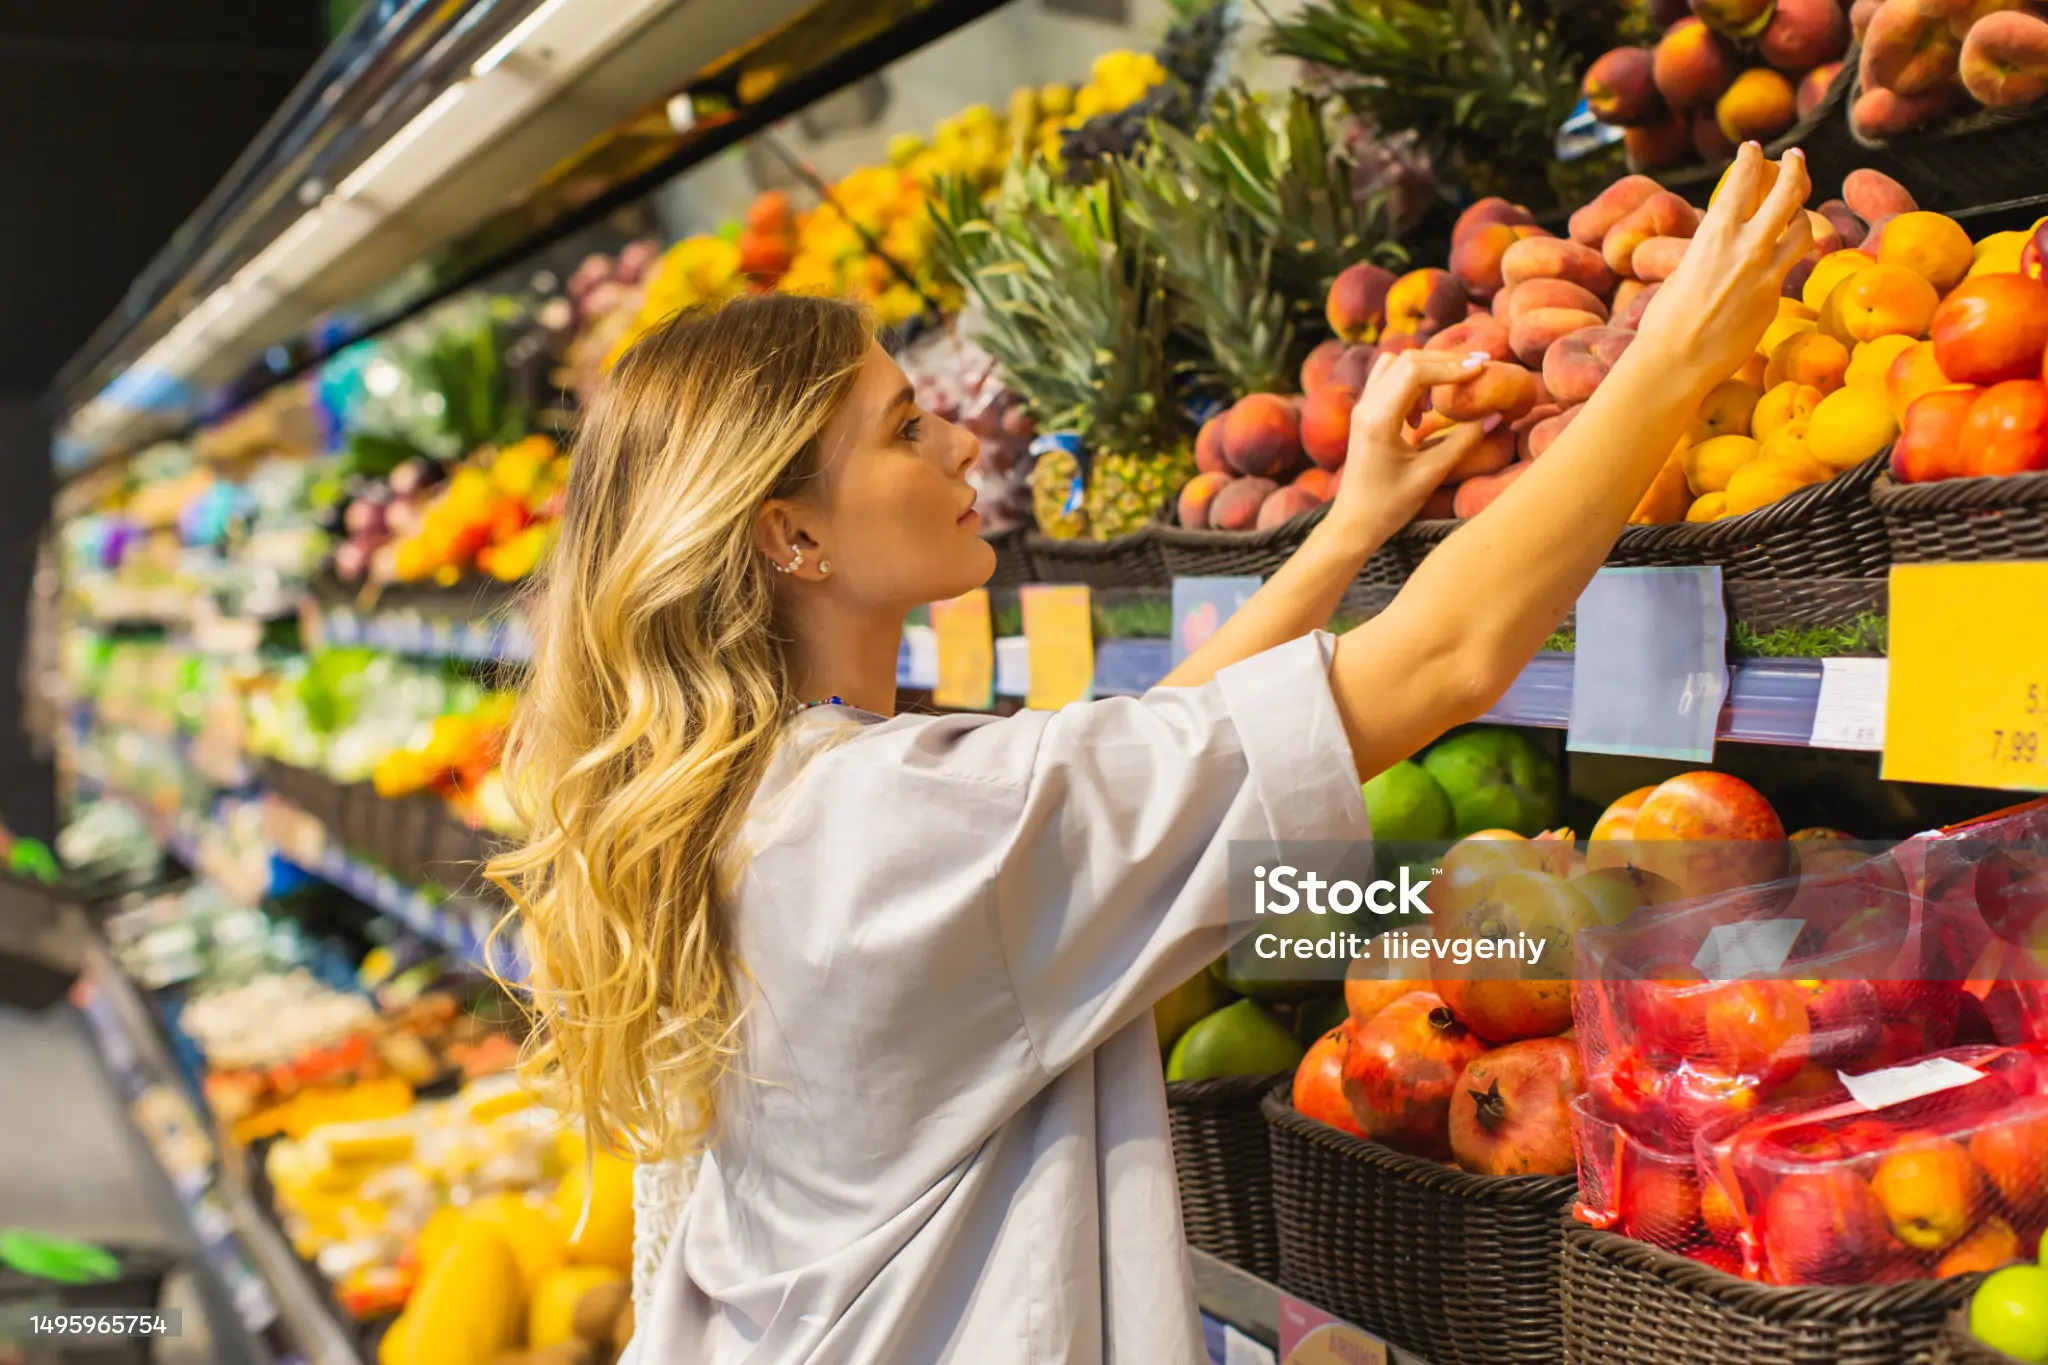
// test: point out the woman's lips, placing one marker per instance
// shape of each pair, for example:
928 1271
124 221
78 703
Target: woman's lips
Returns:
970 513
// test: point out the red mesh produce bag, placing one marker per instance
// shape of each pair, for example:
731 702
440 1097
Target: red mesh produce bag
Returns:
1938 1167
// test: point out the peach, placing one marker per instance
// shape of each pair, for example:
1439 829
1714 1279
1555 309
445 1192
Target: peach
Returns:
1930 1189
1620 88
1424 302
1531 295
1657 259
1574 367
1764 480
1743 19
1781 330
2007 429
1440 505
1860 15
1831 271
1663 214
2005 59
1846 224
1667 499
1881 300
1787 442
1933 246
1426 426
1476 494
1907 52
1880 113
1483 333
1693 65
1999 254
1961 21
1803 34
1658 146
1751 371
1826 240
1320 483
1930 442
1235 507
1808 358
1326 424
1357 305
1393 343
1492 211
1707 138
1545 433
1499 387
1988 1246
1991 329
1199 496
1528 422
1283 506
1726 412
1872 195
1354 367
1262 436
1476 258
1871 361
1782 406
1628 316
1849 426
1536 330
1315 370
1793 308
1557 259
1758 106
1589 225
1209 446
1913 372
1710 464
1708 507
1493 452
1813 86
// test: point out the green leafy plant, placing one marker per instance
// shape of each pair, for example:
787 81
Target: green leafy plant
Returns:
1486 83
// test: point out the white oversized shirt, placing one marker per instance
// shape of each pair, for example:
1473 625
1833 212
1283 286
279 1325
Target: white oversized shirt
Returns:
947 1139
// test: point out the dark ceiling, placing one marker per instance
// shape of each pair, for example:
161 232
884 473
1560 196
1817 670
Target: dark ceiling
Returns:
116 118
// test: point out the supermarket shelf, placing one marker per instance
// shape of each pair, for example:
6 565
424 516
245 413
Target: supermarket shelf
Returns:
428 634
271 1289
1252 1305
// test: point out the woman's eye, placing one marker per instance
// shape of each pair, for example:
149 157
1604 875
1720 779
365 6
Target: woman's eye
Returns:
911 428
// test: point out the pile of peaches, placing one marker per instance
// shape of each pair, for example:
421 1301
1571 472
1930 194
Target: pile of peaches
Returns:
1922 57
1725 72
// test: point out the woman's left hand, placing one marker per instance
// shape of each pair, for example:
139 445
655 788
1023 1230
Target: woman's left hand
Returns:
1386 480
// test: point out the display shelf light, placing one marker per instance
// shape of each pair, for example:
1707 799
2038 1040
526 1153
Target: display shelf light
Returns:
393 152
517 38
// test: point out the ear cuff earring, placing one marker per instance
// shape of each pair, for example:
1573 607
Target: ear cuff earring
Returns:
796 561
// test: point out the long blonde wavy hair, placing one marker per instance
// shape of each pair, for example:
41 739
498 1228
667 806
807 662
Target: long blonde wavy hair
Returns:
651 708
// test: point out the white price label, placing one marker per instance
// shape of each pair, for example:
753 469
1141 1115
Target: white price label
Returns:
1916 1080
1013 666
1733 951
1239 1349
1850 711
923 649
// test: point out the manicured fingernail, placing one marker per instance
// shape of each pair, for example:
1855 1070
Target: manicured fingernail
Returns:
1477 357
1492 423
1799 152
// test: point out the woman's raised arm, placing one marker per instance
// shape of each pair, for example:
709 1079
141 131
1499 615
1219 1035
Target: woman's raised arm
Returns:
1484 601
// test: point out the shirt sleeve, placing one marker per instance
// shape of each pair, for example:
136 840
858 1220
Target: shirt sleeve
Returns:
1113 887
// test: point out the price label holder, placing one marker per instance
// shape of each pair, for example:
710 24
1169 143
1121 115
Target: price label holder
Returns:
1650 664
1310 1336
1849 713
1200 607
967 653
1013 666
1059 630
1968 700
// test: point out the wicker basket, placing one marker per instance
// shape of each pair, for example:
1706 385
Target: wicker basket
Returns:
1260 553
404 835
1988 156
460 853
1957 1345
1824 531
1013 564
1225 1168
1131 561
1460 1269
359 806
2003 517
1629 1303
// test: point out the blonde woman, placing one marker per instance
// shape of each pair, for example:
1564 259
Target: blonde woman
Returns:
891 975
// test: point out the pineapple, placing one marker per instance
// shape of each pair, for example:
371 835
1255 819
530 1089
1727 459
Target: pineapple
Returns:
1125 490
1074 307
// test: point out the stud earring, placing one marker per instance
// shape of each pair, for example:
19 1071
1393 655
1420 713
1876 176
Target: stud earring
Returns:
824 567
796 561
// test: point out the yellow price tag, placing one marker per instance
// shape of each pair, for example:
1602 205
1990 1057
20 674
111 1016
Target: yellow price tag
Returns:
967 653
1059 632
1968 700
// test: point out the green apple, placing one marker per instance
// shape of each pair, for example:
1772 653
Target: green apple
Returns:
2010 1312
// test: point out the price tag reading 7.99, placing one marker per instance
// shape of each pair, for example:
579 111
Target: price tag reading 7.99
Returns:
1968 701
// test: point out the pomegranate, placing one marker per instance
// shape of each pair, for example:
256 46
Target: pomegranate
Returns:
1505 999
1511 1113
1319 1081
1371 983
1707 832
1402 1070
1609 845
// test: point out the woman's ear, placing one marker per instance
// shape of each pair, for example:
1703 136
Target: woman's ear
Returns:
779 534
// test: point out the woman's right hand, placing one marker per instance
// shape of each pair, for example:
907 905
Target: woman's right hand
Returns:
1707 318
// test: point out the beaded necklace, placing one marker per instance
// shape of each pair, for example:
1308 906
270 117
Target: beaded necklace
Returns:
807 705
